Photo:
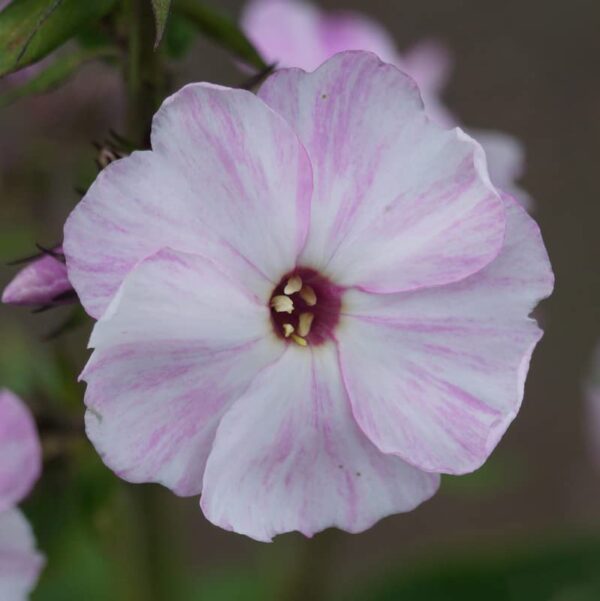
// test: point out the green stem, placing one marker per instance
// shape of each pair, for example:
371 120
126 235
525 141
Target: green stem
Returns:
145 89
144 74
310 578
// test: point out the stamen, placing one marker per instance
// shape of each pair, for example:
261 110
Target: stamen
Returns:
282 304
298 340
304 324
307 294
294 284
288 329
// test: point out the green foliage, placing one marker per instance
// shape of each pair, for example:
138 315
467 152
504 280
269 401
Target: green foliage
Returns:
161 13
67 510
179 36
222 30
559 570
55 74
31 29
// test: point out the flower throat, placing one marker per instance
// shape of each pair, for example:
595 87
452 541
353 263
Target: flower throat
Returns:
305 307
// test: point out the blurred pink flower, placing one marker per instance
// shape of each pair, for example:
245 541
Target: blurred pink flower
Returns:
20 465
591 391
44 281
294 33
309 303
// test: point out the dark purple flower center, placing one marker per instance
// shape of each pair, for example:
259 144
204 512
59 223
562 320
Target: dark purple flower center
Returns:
305 307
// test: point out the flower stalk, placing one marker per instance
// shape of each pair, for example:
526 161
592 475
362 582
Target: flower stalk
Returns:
145 80
143 71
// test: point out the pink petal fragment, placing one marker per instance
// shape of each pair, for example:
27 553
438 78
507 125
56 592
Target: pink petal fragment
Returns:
41 282
20 563
506 162
20 451
227 178
179 343
289 456
399 204
430 64
298 34
591 394
436 376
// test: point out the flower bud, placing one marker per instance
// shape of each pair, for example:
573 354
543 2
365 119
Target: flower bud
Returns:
43 282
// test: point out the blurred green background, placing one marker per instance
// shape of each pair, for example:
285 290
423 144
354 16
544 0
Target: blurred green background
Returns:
525 527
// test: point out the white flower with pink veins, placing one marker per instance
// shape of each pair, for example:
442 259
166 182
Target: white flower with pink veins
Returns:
311 302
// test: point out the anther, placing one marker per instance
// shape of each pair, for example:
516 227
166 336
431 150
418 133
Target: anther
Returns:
307 294
288 329
299 340
304 324
282 304
294 284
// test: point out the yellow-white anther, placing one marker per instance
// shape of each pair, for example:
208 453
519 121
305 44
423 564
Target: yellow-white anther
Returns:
298 340
294 284
304 324
282 304
288 329
307 294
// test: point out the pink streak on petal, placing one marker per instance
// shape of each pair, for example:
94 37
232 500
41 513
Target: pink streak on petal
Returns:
177 346
436 376
227 178
39 283
294 33
20 451
398 203
20 563
289 456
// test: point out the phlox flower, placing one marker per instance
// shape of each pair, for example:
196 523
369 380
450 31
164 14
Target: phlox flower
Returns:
310 303
295 33
20 465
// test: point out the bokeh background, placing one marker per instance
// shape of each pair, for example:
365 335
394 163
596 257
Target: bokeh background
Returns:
524 527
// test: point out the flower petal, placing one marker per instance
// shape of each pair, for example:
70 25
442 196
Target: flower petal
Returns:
177 345
398 203
436 376
20 563
227 179
20 450
298 34
289 456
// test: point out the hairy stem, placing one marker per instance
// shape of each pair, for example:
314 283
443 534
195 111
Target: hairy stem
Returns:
144 74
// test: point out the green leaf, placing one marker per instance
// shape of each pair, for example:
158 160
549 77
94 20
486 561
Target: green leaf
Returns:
56 74
31 29
222 30
179 36
161 12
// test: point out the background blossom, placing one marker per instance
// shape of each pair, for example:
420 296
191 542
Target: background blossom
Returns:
20 466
